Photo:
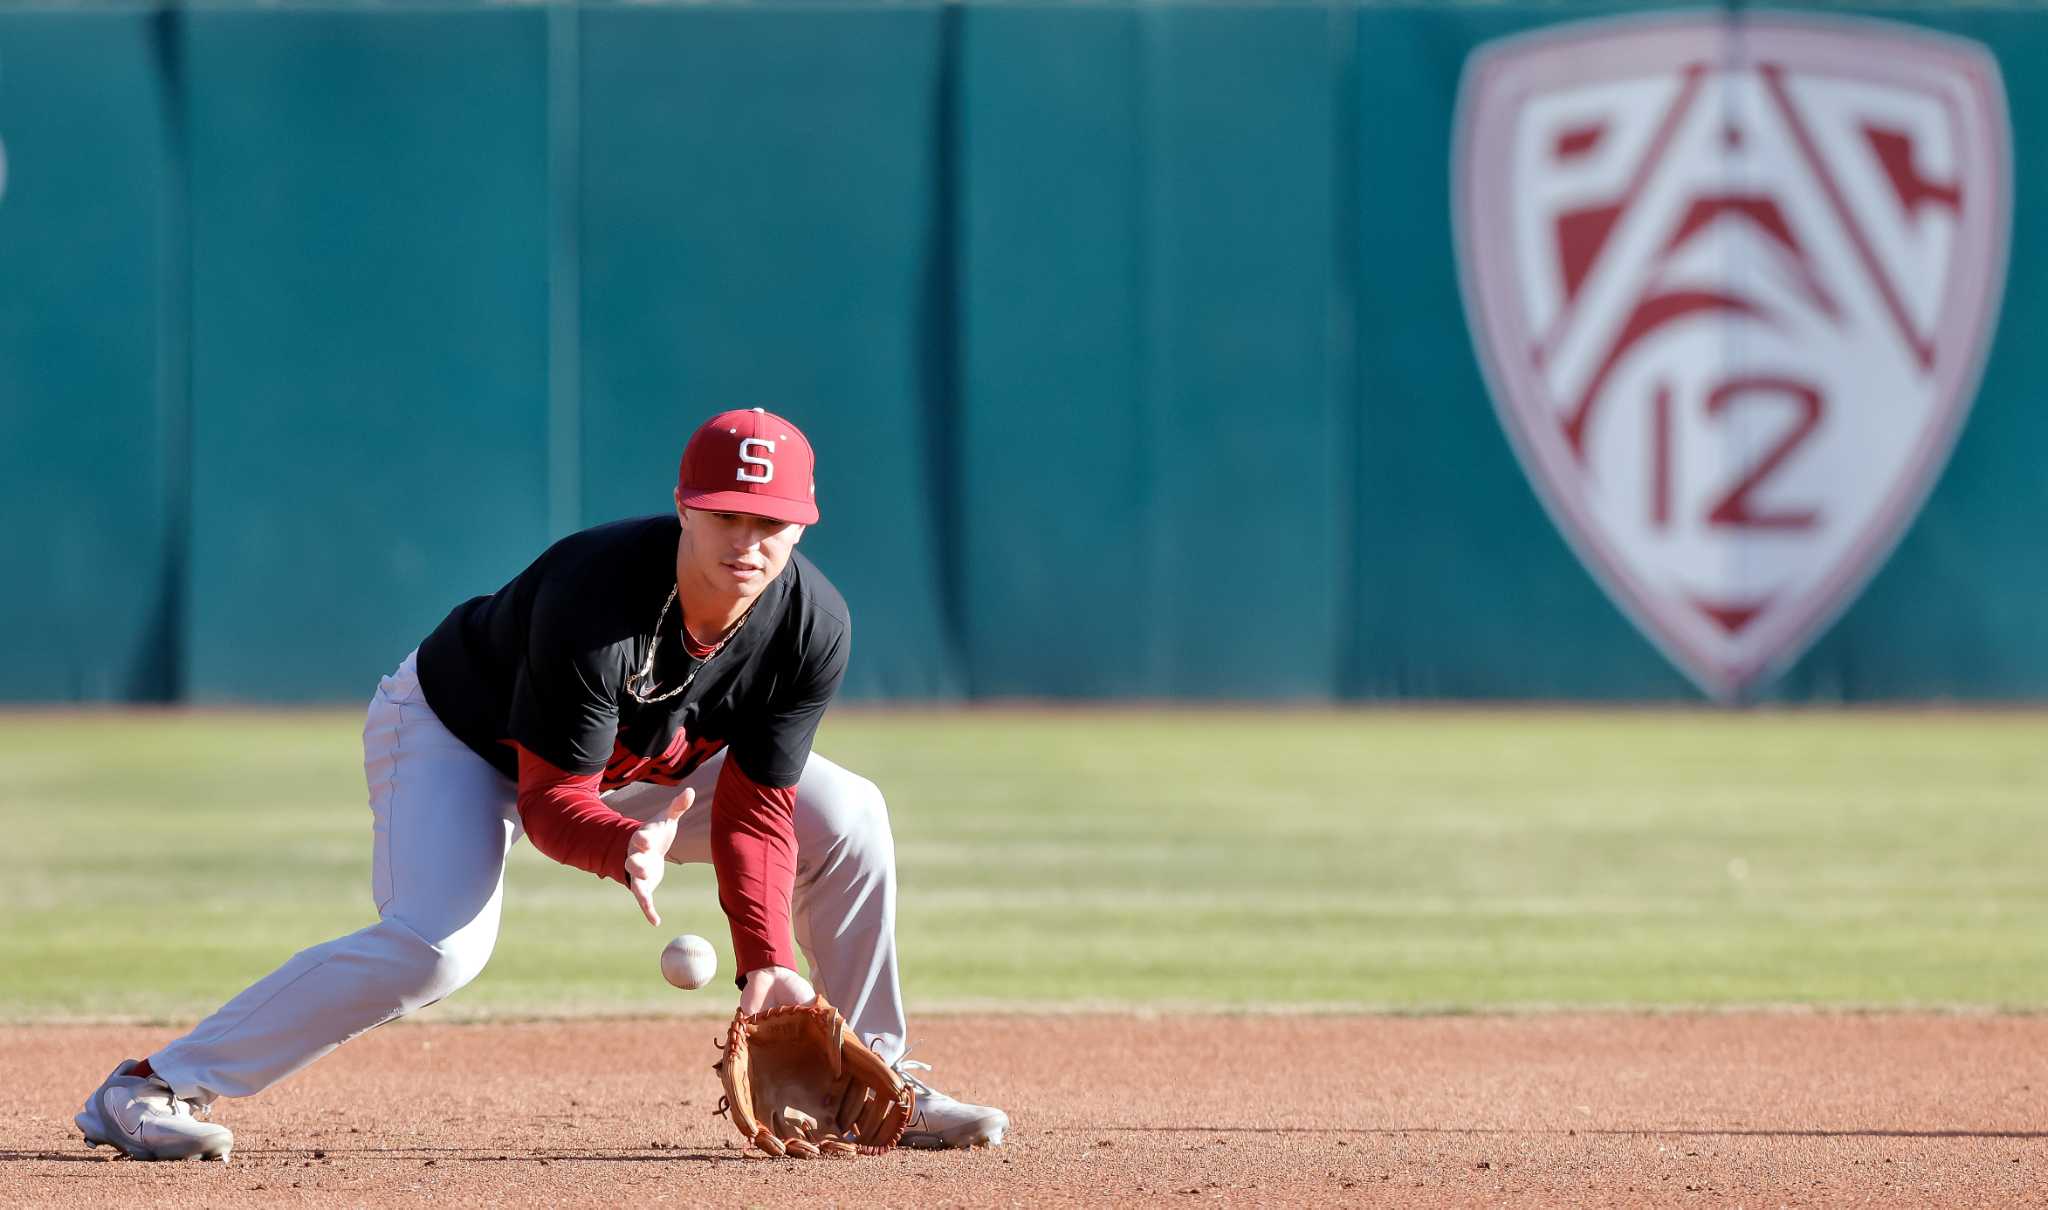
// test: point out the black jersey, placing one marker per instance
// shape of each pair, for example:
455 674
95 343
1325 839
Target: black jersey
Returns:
543 662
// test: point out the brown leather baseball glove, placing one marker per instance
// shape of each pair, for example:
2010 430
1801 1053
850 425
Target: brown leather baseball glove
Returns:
799 1082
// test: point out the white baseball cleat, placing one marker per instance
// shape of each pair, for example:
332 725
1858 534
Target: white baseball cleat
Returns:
139 1115
940 1121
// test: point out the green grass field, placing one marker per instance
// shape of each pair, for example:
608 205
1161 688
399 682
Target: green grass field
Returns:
155 863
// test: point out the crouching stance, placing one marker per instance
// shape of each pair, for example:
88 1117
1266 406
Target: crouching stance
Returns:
645 692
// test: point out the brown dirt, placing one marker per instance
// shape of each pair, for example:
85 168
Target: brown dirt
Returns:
1544 1110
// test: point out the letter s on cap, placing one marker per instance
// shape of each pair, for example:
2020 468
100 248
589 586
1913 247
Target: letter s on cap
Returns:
749 458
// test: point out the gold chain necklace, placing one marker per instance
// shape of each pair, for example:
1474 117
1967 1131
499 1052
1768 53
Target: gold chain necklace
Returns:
645 674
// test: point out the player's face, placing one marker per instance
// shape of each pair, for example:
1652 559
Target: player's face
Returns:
734 554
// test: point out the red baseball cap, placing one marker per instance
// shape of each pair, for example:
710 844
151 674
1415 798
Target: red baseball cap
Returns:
750 461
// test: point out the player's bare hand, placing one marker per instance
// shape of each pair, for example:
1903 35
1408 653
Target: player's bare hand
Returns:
647 853
772 987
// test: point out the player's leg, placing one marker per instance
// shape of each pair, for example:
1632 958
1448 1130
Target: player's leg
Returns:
443 822
844 917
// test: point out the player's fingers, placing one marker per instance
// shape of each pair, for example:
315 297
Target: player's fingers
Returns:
680 803
772 987
643 894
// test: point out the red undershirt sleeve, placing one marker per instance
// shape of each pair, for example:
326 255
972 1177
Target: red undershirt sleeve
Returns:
566 820
753 850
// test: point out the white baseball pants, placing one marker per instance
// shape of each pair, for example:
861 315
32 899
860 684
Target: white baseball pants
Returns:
444 820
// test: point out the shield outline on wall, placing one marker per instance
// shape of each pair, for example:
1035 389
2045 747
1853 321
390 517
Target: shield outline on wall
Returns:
1493 86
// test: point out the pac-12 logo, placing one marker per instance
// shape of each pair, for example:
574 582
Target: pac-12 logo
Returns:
1731 281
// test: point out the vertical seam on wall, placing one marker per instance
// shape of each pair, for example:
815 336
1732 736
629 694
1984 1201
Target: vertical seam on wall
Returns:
1148 367
944 404
565 216
1345 400
174 358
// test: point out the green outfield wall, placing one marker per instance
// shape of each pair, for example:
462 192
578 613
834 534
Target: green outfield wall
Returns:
1151 350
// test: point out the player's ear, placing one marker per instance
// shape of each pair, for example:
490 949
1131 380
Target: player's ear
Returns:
677 493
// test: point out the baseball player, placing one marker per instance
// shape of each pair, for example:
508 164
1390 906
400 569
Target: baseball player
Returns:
694 650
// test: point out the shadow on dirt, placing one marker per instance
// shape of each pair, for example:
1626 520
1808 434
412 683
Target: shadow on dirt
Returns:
1614 1131
435 1156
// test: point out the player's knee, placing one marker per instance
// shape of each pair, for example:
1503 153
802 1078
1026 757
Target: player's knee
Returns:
424 972
454 968
855 813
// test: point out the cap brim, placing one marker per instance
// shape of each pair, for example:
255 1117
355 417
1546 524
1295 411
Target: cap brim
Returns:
775 508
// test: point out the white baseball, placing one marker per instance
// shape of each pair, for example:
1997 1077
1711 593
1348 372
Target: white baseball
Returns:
689 962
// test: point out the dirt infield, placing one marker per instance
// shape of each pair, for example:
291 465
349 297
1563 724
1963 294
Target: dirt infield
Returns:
1545 1110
